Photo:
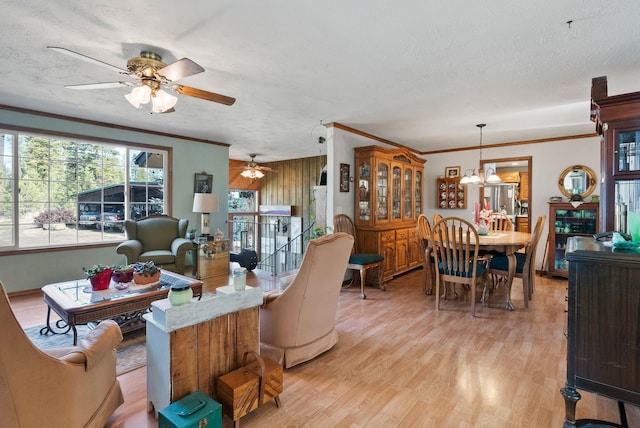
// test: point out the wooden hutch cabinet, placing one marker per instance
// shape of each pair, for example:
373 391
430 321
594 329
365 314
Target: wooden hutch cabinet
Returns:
389 198
617 120
567 219
603 337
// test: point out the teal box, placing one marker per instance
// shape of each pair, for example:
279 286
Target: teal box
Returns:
193 411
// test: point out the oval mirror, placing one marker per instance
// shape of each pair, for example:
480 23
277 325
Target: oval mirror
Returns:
577 181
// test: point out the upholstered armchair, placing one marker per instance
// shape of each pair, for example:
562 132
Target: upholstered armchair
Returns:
298 324
62 387
157 238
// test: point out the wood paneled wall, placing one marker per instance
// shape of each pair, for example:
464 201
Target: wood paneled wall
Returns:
291 185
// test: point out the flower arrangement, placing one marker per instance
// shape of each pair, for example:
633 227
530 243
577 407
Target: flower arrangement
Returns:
146 268
484 217
95 270
146 273
99 276
122 273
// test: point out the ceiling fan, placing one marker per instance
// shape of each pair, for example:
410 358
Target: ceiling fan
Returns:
150 77
252 170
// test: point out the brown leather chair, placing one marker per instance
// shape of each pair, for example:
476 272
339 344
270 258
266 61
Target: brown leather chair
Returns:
62 387
157 238
298 324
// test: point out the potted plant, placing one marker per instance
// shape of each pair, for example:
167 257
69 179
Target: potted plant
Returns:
145 273
122 273
99 276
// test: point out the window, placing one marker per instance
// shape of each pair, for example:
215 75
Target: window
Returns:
57 192
243 219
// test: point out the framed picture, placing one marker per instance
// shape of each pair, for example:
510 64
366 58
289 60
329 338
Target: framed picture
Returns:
202 183
344 177
452 172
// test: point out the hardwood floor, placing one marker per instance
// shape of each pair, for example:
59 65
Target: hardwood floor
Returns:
400 363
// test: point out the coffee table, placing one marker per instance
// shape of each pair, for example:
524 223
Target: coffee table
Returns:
76 303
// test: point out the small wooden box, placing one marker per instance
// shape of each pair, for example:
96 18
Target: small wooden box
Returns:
240 391
214 260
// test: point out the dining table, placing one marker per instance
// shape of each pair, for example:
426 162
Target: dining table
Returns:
503 242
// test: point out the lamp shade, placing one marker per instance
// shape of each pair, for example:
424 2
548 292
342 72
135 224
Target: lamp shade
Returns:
205 203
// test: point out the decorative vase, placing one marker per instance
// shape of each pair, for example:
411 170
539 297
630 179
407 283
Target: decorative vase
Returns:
122 275
141 279
101 280
483 229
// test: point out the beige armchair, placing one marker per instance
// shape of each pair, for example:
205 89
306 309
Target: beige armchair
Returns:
298 324
62 387
158 238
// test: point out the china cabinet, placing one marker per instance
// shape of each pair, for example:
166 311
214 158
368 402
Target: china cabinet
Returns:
389 199
451 193
567 219
617 119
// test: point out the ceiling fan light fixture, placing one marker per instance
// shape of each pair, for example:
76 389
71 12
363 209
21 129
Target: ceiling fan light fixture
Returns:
139 95
162 101
252 174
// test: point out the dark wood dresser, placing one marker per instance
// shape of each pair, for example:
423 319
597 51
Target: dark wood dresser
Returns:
603 352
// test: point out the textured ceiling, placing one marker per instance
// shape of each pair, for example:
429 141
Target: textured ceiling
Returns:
420 73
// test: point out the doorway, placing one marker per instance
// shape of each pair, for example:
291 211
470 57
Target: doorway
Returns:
516 172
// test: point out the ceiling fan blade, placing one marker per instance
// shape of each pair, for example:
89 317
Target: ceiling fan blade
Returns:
182 68
105 85
87 58
265 168
205 95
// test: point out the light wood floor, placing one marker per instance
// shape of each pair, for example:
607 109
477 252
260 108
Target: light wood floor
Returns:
401 363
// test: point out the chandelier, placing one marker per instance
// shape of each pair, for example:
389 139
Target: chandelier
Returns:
479 177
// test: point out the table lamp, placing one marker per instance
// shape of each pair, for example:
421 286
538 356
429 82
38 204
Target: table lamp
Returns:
205 203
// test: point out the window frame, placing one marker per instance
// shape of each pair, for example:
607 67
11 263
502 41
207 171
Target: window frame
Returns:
16 131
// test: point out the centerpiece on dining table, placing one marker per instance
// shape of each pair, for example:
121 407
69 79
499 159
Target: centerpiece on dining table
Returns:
482 219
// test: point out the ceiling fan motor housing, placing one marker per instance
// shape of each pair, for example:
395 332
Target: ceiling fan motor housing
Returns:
146 65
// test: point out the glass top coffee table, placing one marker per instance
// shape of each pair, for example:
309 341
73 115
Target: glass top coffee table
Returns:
76 303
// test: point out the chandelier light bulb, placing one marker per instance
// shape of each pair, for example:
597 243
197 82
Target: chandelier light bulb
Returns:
139 95
162 101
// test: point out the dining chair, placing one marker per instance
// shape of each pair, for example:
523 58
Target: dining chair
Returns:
423 227
436 218
456 257
500 221
525 266
359 261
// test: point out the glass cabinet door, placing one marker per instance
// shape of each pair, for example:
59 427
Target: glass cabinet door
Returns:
396 187
627 207
628 151
571 222
418 194
383 192
364 196
407 193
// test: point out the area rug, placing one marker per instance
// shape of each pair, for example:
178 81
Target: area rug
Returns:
131 353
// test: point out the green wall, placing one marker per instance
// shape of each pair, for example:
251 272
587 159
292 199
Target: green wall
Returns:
30 271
